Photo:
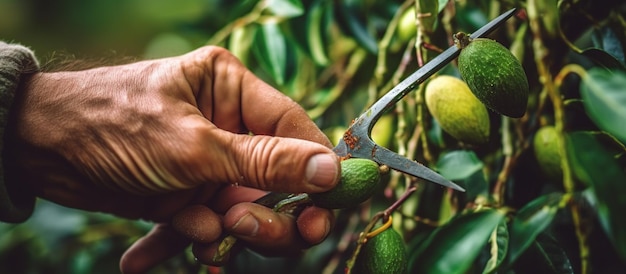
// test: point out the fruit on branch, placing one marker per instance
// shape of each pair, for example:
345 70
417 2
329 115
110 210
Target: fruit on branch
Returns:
359 180
407 27
385 253
546 148
457 110
493 74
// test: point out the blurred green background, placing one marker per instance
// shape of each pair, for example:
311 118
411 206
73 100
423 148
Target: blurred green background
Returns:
101 28
333 63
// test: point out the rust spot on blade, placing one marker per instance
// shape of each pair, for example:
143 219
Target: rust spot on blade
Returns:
350 139
348 156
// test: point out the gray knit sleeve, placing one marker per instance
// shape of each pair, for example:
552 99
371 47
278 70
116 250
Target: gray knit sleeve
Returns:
15 61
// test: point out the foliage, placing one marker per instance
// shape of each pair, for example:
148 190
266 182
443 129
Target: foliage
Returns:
337 57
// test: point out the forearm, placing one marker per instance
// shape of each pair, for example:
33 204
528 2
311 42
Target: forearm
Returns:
16 62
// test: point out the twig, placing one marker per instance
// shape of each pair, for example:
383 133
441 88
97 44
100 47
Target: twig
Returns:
342 246
354 63
247 19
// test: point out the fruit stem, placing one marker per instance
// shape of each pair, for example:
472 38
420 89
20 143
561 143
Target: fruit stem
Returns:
383 45
461 39
507 150
387 212
568 182
377 231
557 101
354 63
361 241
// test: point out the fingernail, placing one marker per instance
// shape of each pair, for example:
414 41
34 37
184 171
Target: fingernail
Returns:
246 226
322 170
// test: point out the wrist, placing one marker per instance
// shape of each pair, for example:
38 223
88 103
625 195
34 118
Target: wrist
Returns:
16 63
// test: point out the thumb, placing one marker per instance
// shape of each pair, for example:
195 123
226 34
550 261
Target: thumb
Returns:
283 164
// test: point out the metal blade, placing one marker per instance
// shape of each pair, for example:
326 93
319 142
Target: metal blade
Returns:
410 167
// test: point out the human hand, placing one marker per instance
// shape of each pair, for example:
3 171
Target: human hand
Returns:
158 138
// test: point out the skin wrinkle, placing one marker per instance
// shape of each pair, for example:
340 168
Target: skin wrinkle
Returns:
235 175
137 164
259 157
132 125
102 150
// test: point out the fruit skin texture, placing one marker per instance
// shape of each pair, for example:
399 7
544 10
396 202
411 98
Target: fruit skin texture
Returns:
457 110
385 253
494 75
546 148
359 180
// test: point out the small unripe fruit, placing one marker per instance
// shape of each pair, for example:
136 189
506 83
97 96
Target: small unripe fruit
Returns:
493 74
385 253
407 27
546 148
457 110
359 180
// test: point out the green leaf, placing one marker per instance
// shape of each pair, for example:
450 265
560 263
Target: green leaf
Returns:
452 248
499 242
442 4
317 22
604 99
285 8
459 164
241 41
595 165
271 50
348 19
531 220
545 255
607 40
602 58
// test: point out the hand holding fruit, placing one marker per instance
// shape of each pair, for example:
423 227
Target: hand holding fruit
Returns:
147 139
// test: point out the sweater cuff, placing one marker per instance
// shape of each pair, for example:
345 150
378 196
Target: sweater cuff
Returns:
16 205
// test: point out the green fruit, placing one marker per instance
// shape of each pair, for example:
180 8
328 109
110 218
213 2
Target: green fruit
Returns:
359 179
383 131
407 27
457 110
493 74
385 253
546 148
